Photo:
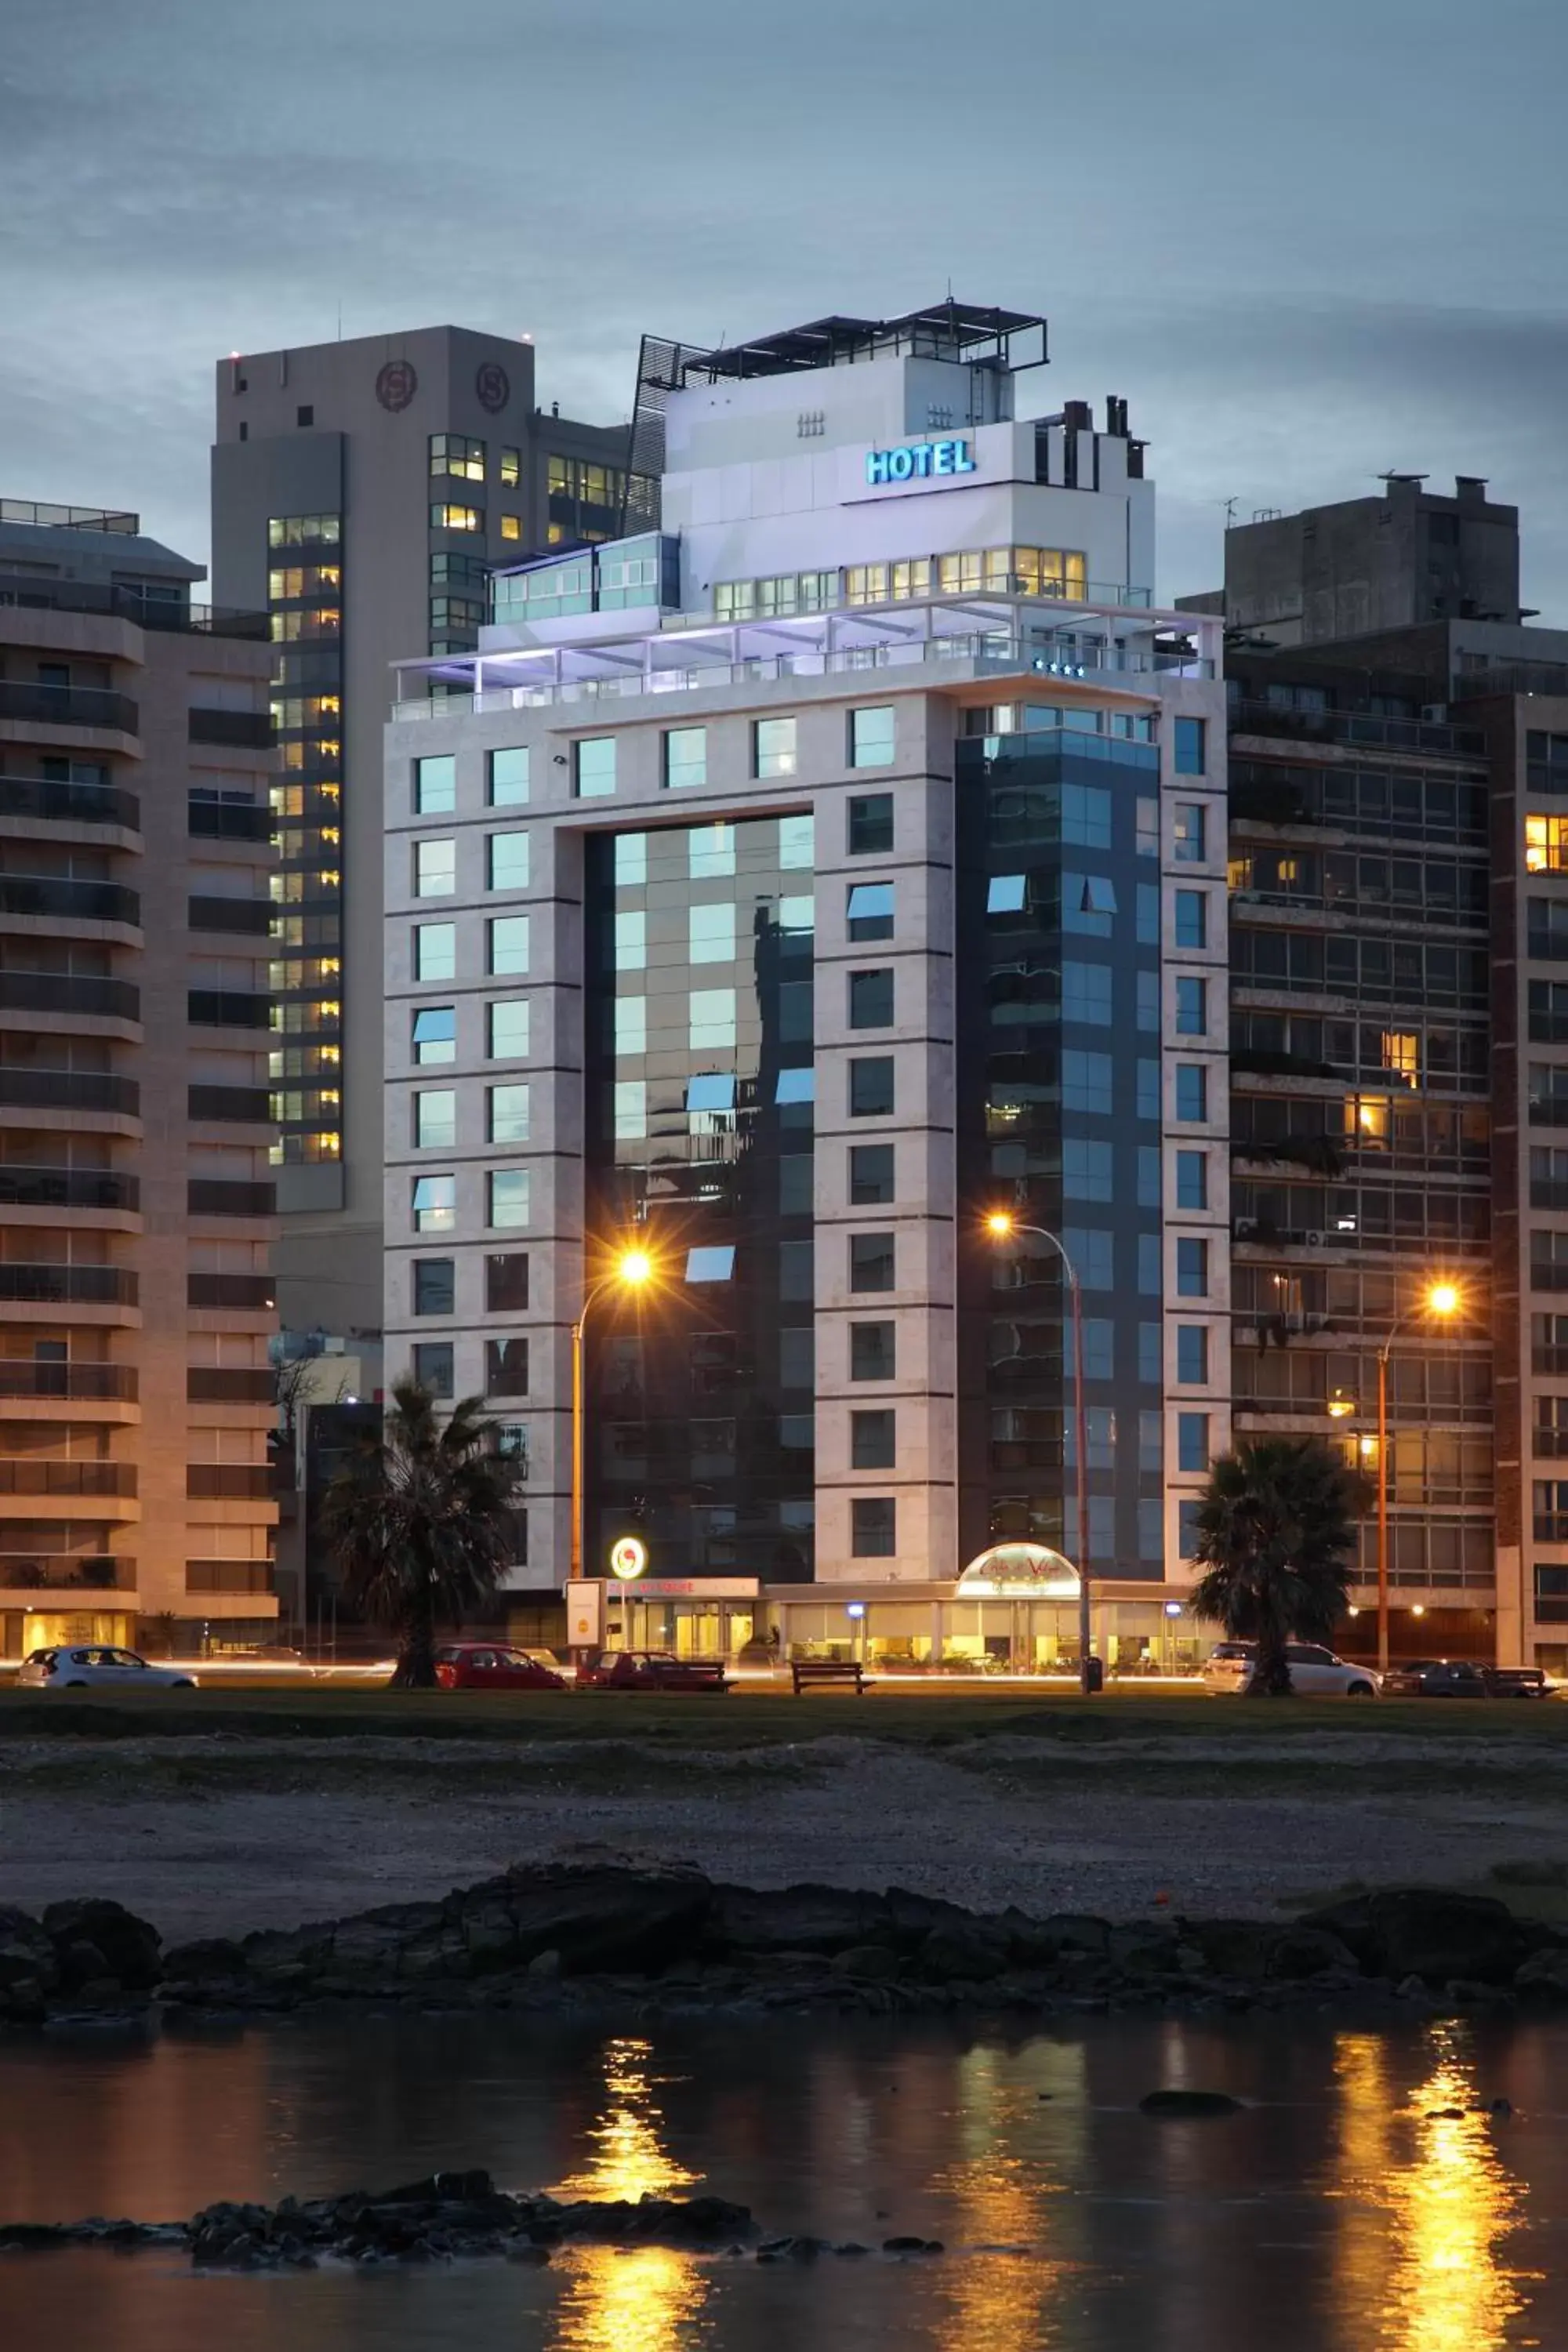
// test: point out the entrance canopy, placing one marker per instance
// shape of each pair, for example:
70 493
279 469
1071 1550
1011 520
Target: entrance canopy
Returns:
1018 1571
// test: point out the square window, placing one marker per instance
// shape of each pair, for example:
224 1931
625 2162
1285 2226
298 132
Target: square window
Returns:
773 747
434 1202
1191 1267
869 826
1086 816
871 999
711 851
871 738
434 1285
1192 1440
871 1261
434 868
796 1013
508 1025
506 1282
1007 894
1192 1180
796 917
871 1087
1088 904
685 757
1086 1170
509 1189
1148 829
871 1175
507 944
594 767
1188 1536
507 781
433 1367
512 526
435 785
1189 831
873 1439
1191 1006
797 1358
711 934
1192 1091
434 1035
435 1120
711 1020
873 1351
629 1109
1086 1082
1192 1353
1191 919
1092 1252
797 1272
1189 747
631 1025
507 1114
506 1369
712 1262
869 909
507 856
873 1526
797 1184
797 843
1099 1349
630 853
435 951
1086 993
631 942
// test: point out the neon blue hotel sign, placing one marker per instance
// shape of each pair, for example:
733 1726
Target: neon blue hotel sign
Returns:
917 459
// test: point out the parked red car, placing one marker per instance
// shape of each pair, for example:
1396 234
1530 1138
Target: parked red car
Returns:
652 1670
491 1665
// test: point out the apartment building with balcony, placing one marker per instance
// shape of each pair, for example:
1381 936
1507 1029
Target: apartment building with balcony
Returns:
136 1298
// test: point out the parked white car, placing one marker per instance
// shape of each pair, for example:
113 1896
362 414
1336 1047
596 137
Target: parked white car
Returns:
93 1667
1316 1673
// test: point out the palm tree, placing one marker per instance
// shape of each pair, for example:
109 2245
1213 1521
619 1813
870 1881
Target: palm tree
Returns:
423 1522
1275 1528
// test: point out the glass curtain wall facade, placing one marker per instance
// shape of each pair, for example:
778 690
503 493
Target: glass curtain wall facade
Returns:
305 600
700 1124
1059 1113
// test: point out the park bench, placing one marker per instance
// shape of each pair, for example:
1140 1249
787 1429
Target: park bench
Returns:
827 1673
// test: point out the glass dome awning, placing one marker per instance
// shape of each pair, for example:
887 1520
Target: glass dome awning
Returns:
1018 1571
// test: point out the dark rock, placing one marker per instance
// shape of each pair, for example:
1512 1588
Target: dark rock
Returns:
528 2254
877 1963
544 1964
1233 1948
1429 1933
913 2246
1189 2102
606 1918
1543 1978
29 1968
1307 1952
210 1960
969 1952
131 1948
701 2221
794 2250
797 1918
1139 1951
851 2246
82 1965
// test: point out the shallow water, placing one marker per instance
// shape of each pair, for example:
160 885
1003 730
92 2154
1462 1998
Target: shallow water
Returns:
1337 2214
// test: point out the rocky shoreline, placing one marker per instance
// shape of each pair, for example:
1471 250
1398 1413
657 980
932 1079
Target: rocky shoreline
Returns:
592 1936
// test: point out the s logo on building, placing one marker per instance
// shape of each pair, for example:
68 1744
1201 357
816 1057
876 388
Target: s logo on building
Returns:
493 386
397 384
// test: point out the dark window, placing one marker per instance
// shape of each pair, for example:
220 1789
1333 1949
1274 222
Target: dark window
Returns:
434 1285
506 1368
1192 1090
433 1365
871 1261
871 1087
871 999
1189 747
873 1352
870 825
874 1520
306 414
1192 1352
506 1282
796 1184
1191 1267
1191 919
873 1439
871 1175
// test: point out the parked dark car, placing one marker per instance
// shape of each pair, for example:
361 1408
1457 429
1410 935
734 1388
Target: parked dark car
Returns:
492 1665
1439 1678
652 1670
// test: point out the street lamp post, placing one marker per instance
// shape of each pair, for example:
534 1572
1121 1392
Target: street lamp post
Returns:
1001 1225
1442 1300
631 1270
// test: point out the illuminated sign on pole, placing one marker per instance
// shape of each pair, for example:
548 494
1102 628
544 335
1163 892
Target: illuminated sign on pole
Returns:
629 1558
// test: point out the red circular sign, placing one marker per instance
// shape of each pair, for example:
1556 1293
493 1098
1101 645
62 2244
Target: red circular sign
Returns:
397 384
493 386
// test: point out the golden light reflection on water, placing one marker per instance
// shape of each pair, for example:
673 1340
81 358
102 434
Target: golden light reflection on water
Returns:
997 2302
647 2298
1429 2200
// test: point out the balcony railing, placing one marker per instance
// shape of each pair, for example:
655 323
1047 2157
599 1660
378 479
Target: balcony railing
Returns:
216 1196
34 1477
1253 717
67 706
83 1383
229 1576
251 916
22 1088
74 1286
58 803
230 820
67 1188
146 610
253 1105
1547 946
241 1294
56 1573
242 731
74 902
69 991
217 1384
228 1008
224 1482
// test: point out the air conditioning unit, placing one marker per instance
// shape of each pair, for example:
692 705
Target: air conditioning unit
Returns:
1244 1228
1434 713
1313 1239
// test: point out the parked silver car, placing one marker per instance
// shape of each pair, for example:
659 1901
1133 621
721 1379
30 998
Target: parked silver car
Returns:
1315 1673
94 1666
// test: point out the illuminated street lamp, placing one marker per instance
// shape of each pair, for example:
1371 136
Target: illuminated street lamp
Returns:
632 1270
1002 1225
1442 1301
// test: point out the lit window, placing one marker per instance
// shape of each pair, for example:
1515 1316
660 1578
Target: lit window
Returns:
450 518
434 1203
509 1114
510 469
458 455
434 868
1189 832
1402 1054
512 526
508 1020
436 1034
508 1188
435 1121
508 944
1367 1120
773 744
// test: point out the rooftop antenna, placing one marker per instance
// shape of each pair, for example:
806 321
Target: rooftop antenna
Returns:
1230 505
